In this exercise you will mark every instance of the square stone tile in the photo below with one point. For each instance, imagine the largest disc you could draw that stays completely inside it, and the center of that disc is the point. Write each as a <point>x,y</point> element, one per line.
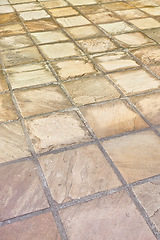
<point>41,100</point>
<point>97,218</point>
<point>143,3</point>
<point>49,37</point>
<point>7,109</point>
<point>20,56</point>
<point>77,173</point>
<point>135,155</point>
<point>21,190</point>
<point>103,17</point>
<point>3,83</point>
<point>24,76</point>
<point>100,44</point>
<point>41,25</point>
<point>154,11</point>
<point>56,130</point>
<point>11,29</point>
<point>145,23</point>
<point>73,68</point>
<point>6,9</point>
<point>54,4</point>
<point>149,196</point>
<point>135,81</point>
<point>156,70</point>
<point>13,42</point>
<point>112,118</point>
<point>4,2</point>
<point>13,144</point>
<point>92,9</point>
<point>34,15</point>
<point>60,50</point>
<point>116,28</point>
<point>60,12</point>
<point>117,6</point>
<point>73,21</point>
<point>39,227</point>
<point>133,39</point>
<point>153,33</point>
<point>27,7</point>
<point>20,1</point>
<point>149,106</point>
<point>130,14</point>
<point>8,18</point>
<point>84,32</point>
<point>91,90</point>
<point>82,2</point>
<point>114,61</point>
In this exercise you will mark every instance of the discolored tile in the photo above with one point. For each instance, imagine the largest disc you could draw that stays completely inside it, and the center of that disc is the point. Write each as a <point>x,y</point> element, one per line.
<point>3,83</point>
<point>82,2</point>
<point>112,118</point>
<point>13,42</point>
<point>21,190</point>
<point>38,227</point>
<point>73,21</point>
<point>114,61</point>
<point>8,18</point>
<point>60,12</point>
<point>153,33</point>
<point>5,9</point>
<point>41,100</point>
<point>41,25</point>
<point>117,6</point>
<point>7,109</point>
<point>54,4</point>
<point>77,173</point>
<point>13,144</point>
<point>102,17</point>
<point>135,155</point>
<point>116,28</point>
<point>11,29</point>
<point>56,130</point>
<point>94,45</point>
<point>27,7</point>
<point>91,90</point>
<point>149,196</point>
<point>97,218</point>
<point>20,56</point>
<point>32,15</point>
<point>135,81</point>
<point>84,32</point>
<point>73,68</point>
<point>24,76</point>
<point>145,23</point>
<point>130,14</point>
<point>154,11</point>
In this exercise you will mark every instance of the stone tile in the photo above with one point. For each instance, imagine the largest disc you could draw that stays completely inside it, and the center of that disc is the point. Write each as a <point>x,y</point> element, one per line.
<point>3,83</point>
<point>27,6</point>
<point>84,32</point>
<point>60,50</point>
<point>12,142</point>
<point>54,4</point>
<point>39,227</point>
<point>143,3</point>
<point>149,106</point>
<point>24,76</point>
<point>131,14</point>
<point>154,11</point>
<point>41,25</point>
<point>113,61</point>
<point>6,9</point>
<point>148,55</point>
<point>77,173</point>
<point>97,218</point>
<point>153,33</point>
<point>11,29</point>
<point>135,155</point>
<point>82,2</point>
<point>73,21</point>
<point>60,12</point>
<point>41,100</point>
<point>94,45</point>
<point>7,109</point>
<point>149,196</point>
<point>32,15</point>
<point>117,6</point>
<point>8,18</point>
<point>49,37</point>
<point>112,118</point>
<point>20,56</point>
<point>4,2</point>
<point>133,39</point>
<point>56,130</point>
<point>21,190</point>
<point>135,81</point>
<point>13,42</point>
<point>156,70</point>
<point>145,23</point>
<point>73,68</point>
<point>91,90</point>
<point>103,17</point>
<point>20,1</point>
<point>116,28</point>
<point>92,9</point>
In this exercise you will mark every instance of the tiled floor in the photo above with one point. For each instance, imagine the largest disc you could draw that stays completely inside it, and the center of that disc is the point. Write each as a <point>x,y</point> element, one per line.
<point>79,120</point>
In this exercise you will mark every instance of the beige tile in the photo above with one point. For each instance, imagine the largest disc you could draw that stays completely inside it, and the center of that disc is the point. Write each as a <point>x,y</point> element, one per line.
<point>27,6</point>
<point>60,12</point>
<point>154,11</point>
<point>149,196</point>
<point>60,50</point>
<point>38,227</point>
<point>20,1</point>
<point>56,130</point>
<point>145,23</point>
<point>41,25</point>
<point>73,21</point>
<point>154,34</point>
<point>135,81</point>
<point>112,118</point>
<point>7,109</point>
<point>135,155</point>
<point>77,173</point>
<point>32,15</point>
<point>20,56</point>
<point>14,42</point>
<point>114,61</point>
<point>54,4</point>
<point>13,144</point>
<point>24,76</point>
<point>131,14</point>
<point>94,45</point>
<point>91,90</point>
<point>3,83</point>
<point>103,17</point>
<point>143,3</point>
<point>156,70</point>
<point>116,28</point>
<point>21,190</point>
<point>8,18</point>
<point>11,29</point>
<point>97,218</point>
<point>92,9</point>
<point>84,32</point>
<point>73,68</point>
<point>6,9</point>
<point>82,2</point>
<point>41,100</point>
<point>117,6</point>
<point>4,2</point>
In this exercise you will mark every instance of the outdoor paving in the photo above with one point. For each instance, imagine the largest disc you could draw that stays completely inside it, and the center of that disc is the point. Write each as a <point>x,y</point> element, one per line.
<point>79,120</point>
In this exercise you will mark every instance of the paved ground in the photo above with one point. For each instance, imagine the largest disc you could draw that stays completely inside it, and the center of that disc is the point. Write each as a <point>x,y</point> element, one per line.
<point>79,120</point>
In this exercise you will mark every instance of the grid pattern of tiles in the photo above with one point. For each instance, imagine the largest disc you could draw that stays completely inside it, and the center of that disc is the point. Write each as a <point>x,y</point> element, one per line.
<point>79,119</point>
